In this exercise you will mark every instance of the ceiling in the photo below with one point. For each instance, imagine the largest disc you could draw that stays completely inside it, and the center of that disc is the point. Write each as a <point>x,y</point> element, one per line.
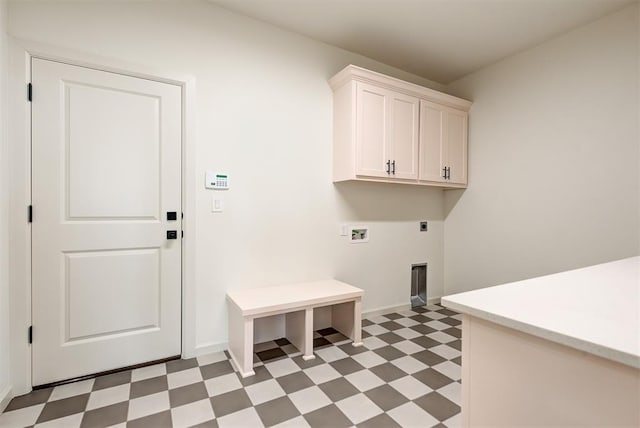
<point>440,40</point>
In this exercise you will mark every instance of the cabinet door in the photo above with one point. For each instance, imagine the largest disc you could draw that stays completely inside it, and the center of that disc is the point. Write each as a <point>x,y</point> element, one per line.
<point>403,128</point>
<point>432,161</point>
<point>456,143</point>
<point>372,136</point>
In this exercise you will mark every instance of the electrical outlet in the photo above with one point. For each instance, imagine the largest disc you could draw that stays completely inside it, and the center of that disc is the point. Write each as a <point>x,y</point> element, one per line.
<point>423,226</point>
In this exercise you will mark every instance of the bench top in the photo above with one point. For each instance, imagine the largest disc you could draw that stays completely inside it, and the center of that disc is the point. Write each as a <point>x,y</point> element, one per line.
<point>283,298</point>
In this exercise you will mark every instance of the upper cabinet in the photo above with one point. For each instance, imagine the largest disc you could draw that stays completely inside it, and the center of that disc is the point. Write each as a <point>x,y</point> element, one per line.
<point>387,126</point>
<point>389,130</point>
<point>443,145</point>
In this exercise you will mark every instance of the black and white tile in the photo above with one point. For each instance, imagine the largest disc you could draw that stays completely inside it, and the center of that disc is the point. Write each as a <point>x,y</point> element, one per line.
<point>407,374</point>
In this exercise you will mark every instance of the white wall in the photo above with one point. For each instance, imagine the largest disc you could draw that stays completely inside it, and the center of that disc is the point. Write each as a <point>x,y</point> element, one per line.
<point>264,116</point>
<point>553,159</point>
<point>4,212</point>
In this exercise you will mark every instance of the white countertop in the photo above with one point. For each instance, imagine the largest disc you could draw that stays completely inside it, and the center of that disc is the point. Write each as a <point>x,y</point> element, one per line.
<point>594,309</point>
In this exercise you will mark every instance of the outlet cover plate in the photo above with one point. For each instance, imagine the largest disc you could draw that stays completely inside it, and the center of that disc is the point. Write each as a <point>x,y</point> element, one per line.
<point>358,234</point>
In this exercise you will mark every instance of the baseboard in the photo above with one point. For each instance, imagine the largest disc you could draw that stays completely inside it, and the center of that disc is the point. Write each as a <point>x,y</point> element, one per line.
<point>434,301</point>
<point>396,308</point>
<point>208,348</point>
<point>5,397</point>
<point>385,310</point>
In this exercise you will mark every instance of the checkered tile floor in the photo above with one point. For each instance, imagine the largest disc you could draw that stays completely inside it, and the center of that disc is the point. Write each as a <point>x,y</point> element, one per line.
<point>407,374</point>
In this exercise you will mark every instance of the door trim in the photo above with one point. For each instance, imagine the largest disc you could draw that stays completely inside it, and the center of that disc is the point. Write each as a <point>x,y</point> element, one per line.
<point>21,52</point>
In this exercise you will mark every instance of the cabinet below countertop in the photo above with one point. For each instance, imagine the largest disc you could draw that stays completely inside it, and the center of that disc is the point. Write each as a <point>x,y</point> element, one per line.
<point>562,349</point>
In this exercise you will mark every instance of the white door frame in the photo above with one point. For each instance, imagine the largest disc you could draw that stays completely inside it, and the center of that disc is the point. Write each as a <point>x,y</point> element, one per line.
<point>20,315</point>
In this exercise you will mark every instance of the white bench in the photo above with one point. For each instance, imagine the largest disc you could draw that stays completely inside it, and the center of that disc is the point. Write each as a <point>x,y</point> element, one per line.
<point>297,302</point>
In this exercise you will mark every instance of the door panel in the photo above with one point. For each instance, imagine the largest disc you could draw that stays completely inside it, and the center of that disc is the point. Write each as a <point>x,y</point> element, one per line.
<point>98,281</point>
<point>431,142</point>
<point>457,146</point>
<point>372,139</point>
<point>98,133</point>
<point>404,130</point>
<point>106,156</point>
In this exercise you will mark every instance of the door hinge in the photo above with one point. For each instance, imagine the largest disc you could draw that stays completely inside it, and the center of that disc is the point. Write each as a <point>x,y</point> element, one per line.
<point>182,233</point>
<point>30,334</point>
<point>30,214</point>
<point>29,91</point>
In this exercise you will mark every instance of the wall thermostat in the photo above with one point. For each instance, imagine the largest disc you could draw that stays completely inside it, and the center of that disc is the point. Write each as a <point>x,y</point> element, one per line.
<point>216,180</point>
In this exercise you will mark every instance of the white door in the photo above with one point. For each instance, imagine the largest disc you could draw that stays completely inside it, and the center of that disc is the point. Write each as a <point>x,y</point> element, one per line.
<point>404,127</point>
<point>432,141</point>
<point>373,146</point>
<point>456,130</point>
<point>106,170</point>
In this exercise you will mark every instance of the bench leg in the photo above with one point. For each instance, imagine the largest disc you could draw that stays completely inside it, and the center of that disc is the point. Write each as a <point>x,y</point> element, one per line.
<point>308,330</point>
<point>357,323</point>
<point>299,326</point>
<point>241,341</point>
<point>347,319</point>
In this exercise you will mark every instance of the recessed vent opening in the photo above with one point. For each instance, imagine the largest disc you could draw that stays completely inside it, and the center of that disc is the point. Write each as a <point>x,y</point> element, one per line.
<point>418,285</point>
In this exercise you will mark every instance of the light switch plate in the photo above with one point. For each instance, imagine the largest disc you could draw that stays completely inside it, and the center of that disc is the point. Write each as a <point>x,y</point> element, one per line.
<point>216,205</point>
